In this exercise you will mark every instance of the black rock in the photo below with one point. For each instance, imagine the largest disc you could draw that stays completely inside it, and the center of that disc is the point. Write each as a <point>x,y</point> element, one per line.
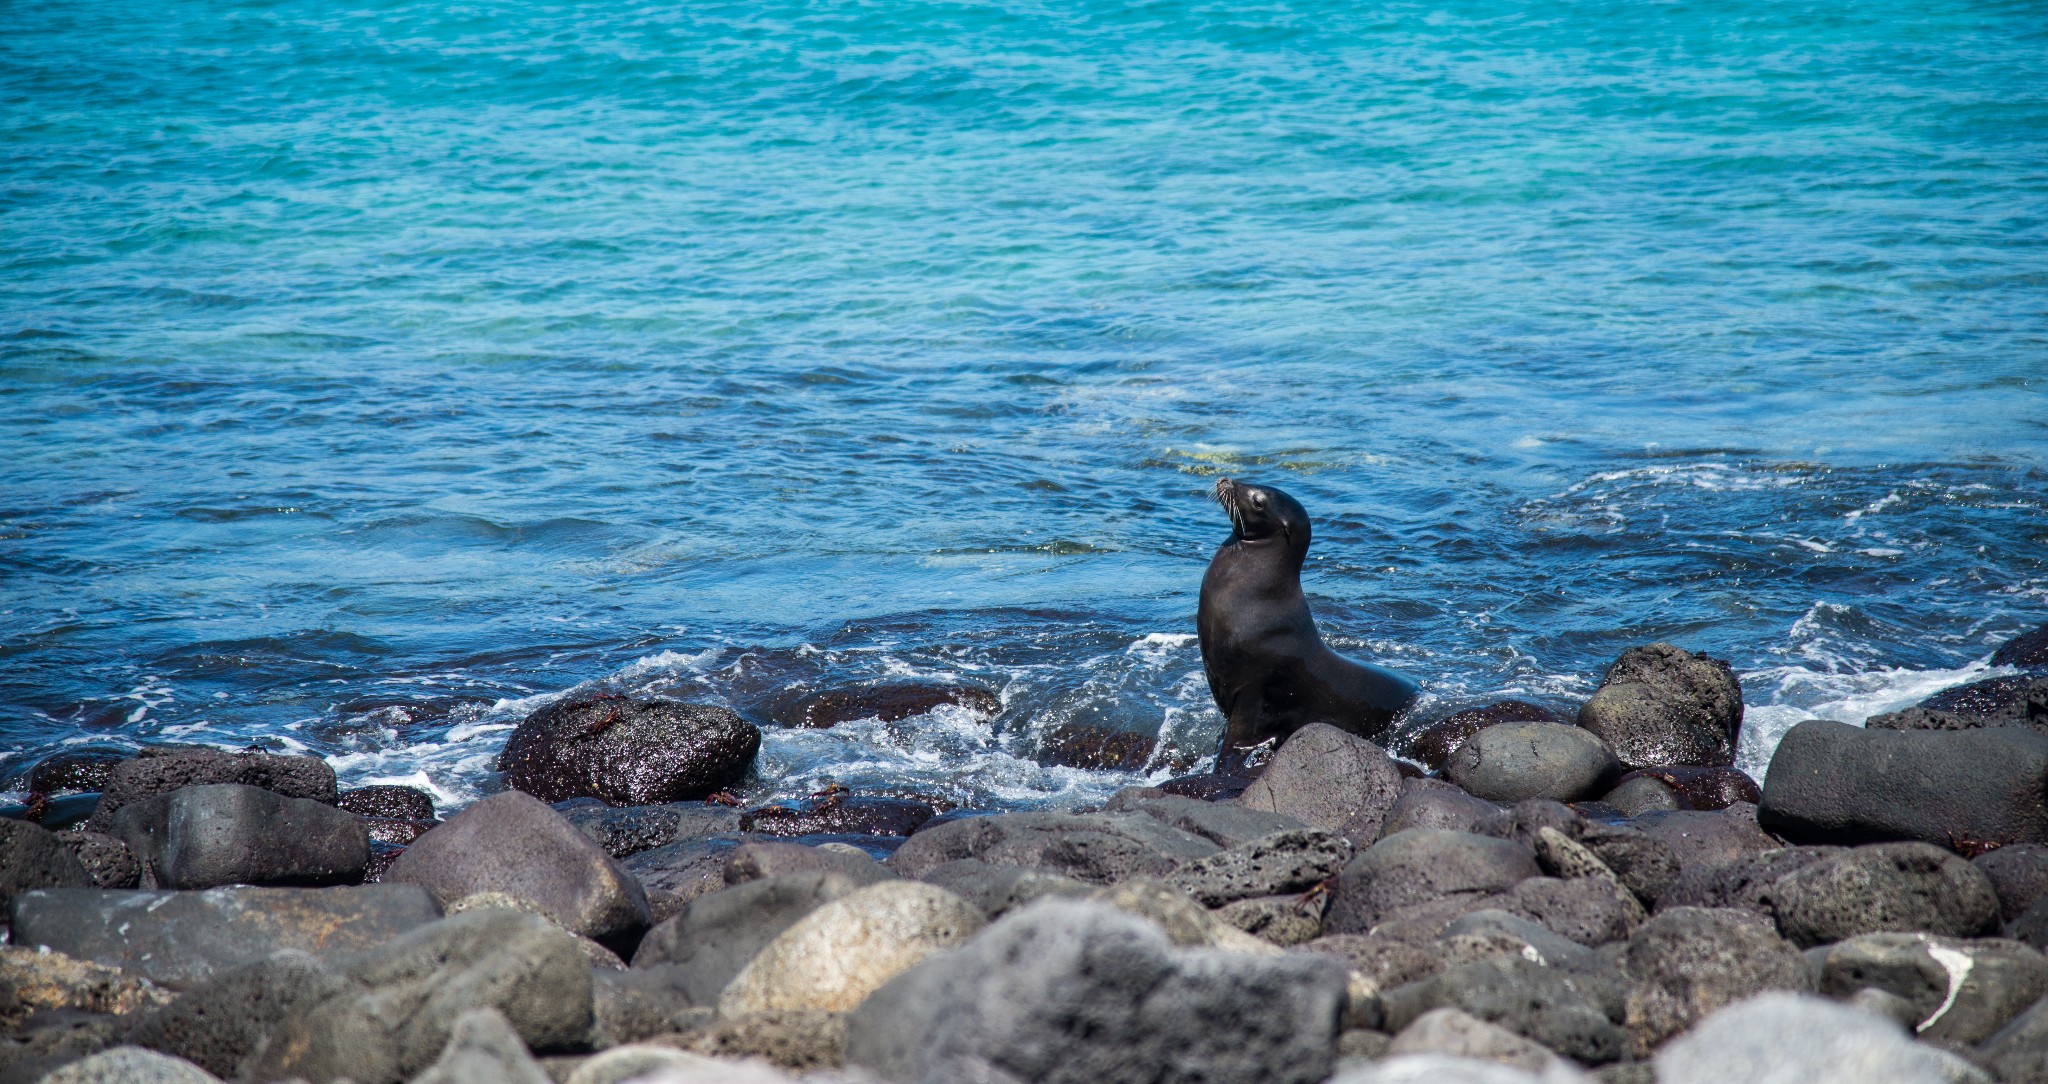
<point>839,815</point>
<point>1687,962</point>
<point>220,1022</point>
<point>1328,778</point>
<point>2019,874</point>
<point>2027,651</point>
<point>626,830</point>
<point>1575,1015</point>
<point>755,861</point>
<point>682,871</point>
<point>1099,848</point>
<point>1661,704</point>
<point>1421,866</point>
<point>177,939</point>
<point>157,772</point>
<point>107,860</point>
<point>1222,823</point>
<point>32,858</point>
<point>888,702</point>
<point>78,771</point>
<point>228,833</point>
<point>629,752</point>
<point>1884,887</point>
<point>1591,911</point>
<point>1433,745</point>
<point>1509,762</point>
<point>1835,783</point>
<point>513,844</point>
<point>1707,788</point>
<point>1067,992</point>
<point>1099,748</point>
<point>394,833</point>
<point>1434,803</point>
<point>2021,700</point>
<point>1284,862</point>
<point>716,935</point>
<point>392,803</point>
<point>1209,787</point>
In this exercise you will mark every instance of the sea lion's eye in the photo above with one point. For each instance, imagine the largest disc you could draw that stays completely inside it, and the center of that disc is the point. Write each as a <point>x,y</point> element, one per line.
<point>1258,500</point>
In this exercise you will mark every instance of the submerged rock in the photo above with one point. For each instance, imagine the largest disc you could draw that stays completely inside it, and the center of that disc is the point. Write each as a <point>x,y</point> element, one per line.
<point>629,752</point>
<point>888,703</point>
<point>1074,745</point>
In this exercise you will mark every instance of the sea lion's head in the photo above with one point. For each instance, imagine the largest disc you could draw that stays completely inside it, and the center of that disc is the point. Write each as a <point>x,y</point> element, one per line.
<point>1262,514</point>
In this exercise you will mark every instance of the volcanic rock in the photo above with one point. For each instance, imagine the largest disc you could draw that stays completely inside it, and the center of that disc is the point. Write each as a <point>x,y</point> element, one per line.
<point>230,833</point>
<point>1661,704</point>
<point>715,936</point>
<point>629,752</point>
<point>1960,992</point>
<point>1098,848</point>
<point>1327,778</point>
<point>155,772</point>
<point>1433,745</point>
<point>1793,1037</point>
<point>1512,761</point>
<point>388,802</point>
<point>1420,866</point>
<point>1835,783</point>
<point>834,957</point>
<point>32,858</point>
<point>1687,962</point>
<point>1884,887</point>
<point>888,702</point>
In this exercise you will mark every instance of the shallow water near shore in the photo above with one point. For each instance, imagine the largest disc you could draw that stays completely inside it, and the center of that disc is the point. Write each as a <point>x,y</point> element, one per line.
<point>369,377</point>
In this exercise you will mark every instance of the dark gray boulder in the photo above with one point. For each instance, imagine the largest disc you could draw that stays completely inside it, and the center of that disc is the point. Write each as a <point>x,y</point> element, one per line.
<point>624,830</point>
<point>1491,932</point>
<point>1575,1015</point>
<point>231,833</point>
<point>1290,861</point>
<point>1098,848</point>
<point>1514,761</point>
<point>105,859</point>
<point>716,935</point>
<point>1960,992</point>
<point>155,772</point>
<point>1661,704</point>
<point>1225,824</point>
<point>1745,882</point>
<point>1831,782</point>
<point>674,875</point>
<point>32,858</point>
<point>1386,963</point>
<point>640,1004</point>
<point>1433,745</point>
<point>83,770</point>
<point>1421,866</point>
<point>629,752</point>
<point>220,1023</point>
<point>1687,962</point>
<point>1434,803</point>
<point>856,815</point>
<point>1884,887</point>
<point>178,939</point>
<point>2027,651</point>
<point>404,999</point>
<point>511,843</point>
<point>2018,1052</point>
<point>1644,864</point>
<point>1698,837</point>
<point>1592,911</point>
<point>1067,992</point>
<point>1641,793</point>
<point>1327,778</point>
<point>998,890</point>
<point>2020,700</point>
<point>387,803</point>
<point>52,1039</point>
<point>2019,874</point>
<point>754,861</point>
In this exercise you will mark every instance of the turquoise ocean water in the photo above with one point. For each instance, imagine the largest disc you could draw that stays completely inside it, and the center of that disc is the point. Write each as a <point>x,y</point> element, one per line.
<point>370,373</point>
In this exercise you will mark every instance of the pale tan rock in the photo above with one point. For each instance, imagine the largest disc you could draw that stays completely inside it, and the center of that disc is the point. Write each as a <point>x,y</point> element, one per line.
<point>1187,923</point>
<point>833,958</point>
<point>35,980</point>
<point>1460,1034</point>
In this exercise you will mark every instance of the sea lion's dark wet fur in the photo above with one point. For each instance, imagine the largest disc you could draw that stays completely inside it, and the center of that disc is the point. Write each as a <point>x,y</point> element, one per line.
<point>1267,666</point>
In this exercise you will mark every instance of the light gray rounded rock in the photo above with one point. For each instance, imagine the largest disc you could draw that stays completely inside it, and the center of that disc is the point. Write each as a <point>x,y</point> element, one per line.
<point>129,1065</point>
<point>717,935</point>
<point>483,1049</point>
<point>1514,761</point>
<point>1783,1038</point>
<point>1328,778</point>
<point>833,958</point>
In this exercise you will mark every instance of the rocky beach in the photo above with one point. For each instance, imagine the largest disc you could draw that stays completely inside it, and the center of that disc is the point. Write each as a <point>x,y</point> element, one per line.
<point>1509,895</point>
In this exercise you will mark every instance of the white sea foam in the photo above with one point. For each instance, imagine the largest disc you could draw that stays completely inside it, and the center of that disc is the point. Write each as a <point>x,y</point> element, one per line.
<point>1783,696</point>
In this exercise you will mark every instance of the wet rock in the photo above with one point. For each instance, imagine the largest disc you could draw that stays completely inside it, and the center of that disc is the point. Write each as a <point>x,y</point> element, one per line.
<point>2019,874</point>
<point>1792,1037</point>
<point>1661,704</point>
<point>1567,1013</point>
<point>387,803</point>
<point>640,1004</point>
<point>219,1023</point>
<point>1221,823</point>
<point>1290,861</point>
<point>624,831</point>
<point>512,843</point>
<point>1744,882</point>
<point>1098,848</point>
<point>888,703</point>
<point>800,1040</point>
<point>834,957</point>
<point>717,935</point>
<point>629,752</point>
<point>1923,719</point>
<point>391,833</point>
<point>1326,778</point>
<point>1688,962</point>
<point>1209,786</point>
<point>230,833</point>
<point>74,772</point>
<point>1884,887</point>
<point>1074,745</point>
<point>1433,745</point>
<point>1835,783</point>
<point>1703,788</point>
<point>32,858</point>
<point>1075,993</point>
<point>1644,864</point>
<point>1460,1034</point>
<point>753,861</point>
<point>180,938</point>
<point>847,815</point>
<point>998,890</point>
<point>1385,963</point>
<point>483,1049</point>
<point>129,1065</point>
<point>1279,920</point>
<point>2007,701</point>
<point>34,982</point>
<point>1512,761</point>
<point>407,996</point>
<point>161,772</point>
<point>2027,651</point>
<point>1434,803</point>
<point>1420,866</point>
<point>682,871</point>
<point>1697,837</point>
<point>1639,793</point>
<point>1960,992</point>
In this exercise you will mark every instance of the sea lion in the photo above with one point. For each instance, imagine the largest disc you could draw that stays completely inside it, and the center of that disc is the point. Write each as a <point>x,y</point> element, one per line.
<point>1266,663</point>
